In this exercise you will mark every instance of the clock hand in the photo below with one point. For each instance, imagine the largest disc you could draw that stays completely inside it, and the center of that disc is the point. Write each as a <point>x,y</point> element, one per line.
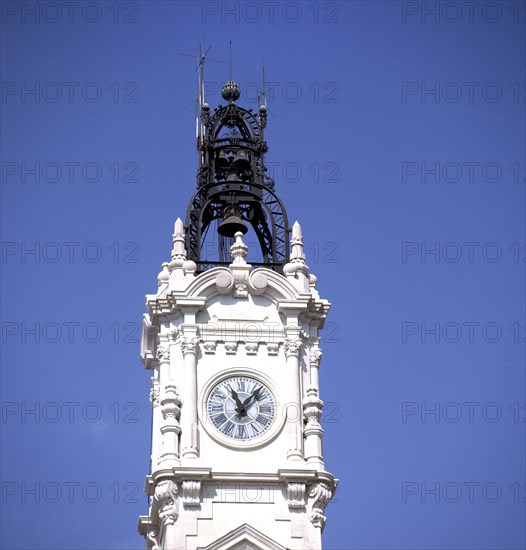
<point>236,398</point>
<point>254,395</point>
<point>240,408</point>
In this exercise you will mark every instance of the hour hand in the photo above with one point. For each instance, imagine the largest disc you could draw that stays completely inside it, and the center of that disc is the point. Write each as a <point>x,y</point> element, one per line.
<point>239,405</point>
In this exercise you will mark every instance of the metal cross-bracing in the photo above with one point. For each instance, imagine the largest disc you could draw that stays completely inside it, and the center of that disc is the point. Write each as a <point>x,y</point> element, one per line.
<point>257,204</point>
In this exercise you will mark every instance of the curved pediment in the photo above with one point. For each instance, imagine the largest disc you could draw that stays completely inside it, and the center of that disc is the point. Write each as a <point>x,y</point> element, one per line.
<point>241,282</point>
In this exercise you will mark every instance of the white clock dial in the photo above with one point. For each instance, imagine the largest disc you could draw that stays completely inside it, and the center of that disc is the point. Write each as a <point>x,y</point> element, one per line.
<point>241,407</point>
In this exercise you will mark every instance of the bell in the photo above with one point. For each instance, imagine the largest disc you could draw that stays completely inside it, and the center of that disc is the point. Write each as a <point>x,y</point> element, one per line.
<point>232,223</point>
<point>232,178</point>
<point>242,163</point>
<point>221,161</point>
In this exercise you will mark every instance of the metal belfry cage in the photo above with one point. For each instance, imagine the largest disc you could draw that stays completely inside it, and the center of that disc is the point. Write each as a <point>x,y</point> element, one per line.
<point>233,188</point>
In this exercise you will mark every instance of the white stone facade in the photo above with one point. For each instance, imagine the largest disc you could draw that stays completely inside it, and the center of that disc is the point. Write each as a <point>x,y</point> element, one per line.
<point>207,490</point>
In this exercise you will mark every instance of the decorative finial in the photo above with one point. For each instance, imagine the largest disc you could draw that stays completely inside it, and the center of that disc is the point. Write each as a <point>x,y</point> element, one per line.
<point>297,244</point>
<point>296,270</point>
<point>239,249</point>
<point>178,228</point>
<point>231,91</point>
<point>179,250</point>
<point>296,230</point>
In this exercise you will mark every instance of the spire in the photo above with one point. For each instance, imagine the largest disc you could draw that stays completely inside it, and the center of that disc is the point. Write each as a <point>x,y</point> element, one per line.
<point>179,250</point>
<point>296,270</point>
<point>297,254</point>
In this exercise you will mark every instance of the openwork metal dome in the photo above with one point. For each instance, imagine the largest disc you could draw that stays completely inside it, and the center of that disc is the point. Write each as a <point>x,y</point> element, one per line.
<point>233,188</point>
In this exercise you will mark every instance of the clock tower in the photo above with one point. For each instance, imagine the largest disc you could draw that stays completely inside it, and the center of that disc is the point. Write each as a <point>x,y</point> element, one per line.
<point>233,347</point>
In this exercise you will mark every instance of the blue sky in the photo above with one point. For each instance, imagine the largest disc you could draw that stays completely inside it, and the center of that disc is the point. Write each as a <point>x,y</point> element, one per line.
<point>397,137</point>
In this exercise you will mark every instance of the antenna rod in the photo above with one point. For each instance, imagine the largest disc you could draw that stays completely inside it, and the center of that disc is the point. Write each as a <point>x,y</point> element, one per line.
<point>264,91</point>
<point>200,99</point>
<point>201,67</point>
<point>202,74</point>
<point>230,43</point>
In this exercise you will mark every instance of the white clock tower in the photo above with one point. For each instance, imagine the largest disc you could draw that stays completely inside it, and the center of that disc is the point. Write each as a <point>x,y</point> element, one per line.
<point>236,451</point>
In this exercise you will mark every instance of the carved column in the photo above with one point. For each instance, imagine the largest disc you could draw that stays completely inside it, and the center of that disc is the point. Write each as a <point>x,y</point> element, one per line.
<point>163,356</point>
<point>315,359</point>
<point>313,431</point>
<point>170,429</point>
<point>293,404</point>
<point>190,446</point>
<point>312,411</point>
<point>156,417</point>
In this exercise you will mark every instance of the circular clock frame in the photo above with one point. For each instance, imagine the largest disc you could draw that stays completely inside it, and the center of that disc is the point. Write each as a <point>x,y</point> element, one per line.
<point>257,441</point>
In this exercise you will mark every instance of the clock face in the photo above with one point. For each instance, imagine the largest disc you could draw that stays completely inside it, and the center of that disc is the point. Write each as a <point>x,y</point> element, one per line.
<point>241,407</point>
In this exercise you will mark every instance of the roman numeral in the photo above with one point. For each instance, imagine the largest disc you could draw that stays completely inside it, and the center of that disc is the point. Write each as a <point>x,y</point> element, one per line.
<point>264,395</point>
<point>219,419</point>
<point>215,408</point>
<point>218,396</point>
<point>228,428</point>
<point>242,431</point>
<point>263,420</point>
<point>255,429</point>
<point>266,408</point>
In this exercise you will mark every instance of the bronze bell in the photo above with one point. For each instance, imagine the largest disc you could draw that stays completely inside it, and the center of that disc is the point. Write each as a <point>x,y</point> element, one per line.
<point>242,162</point>
<point>232,223</point>
<point>221,160</point>
<point>232,178</point>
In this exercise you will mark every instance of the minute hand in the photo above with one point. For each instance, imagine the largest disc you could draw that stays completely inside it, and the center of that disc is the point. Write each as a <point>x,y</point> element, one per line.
<point>254,396</point>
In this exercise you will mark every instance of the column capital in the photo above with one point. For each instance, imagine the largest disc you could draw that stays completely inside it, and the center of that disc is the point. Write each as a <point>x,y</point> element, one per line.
<point>292,347</point>
<point>163,354</point>
<point>189,345</point>
<point>315,357</point>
